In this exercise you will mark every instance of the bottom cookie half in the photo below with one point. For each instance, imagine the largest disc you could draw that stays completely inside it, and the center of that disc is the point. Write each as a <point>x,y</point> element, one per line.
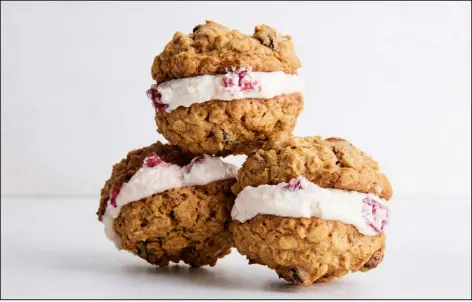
<point>188,224</point>
<point>229,127</point>
<point>307,250</point>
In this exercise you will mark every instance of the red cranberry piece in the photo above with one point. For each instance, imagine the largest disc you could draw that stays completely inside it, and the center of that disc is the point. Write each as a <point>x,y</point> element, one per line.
<point>247,84</point>
<point>155,96</point>
<point>375,214</point>
<point>242,82</point>
<point>113,195</point>
<point>241,75</point>
<point>294,185</point>
<point>152,160</point>
<point>158,106</point>
<point>228,81</point>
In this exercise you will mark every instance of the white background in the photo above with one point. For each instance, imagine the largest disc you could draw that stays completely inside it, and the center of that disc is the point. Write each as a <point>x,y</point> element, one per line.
<point>392,77</point>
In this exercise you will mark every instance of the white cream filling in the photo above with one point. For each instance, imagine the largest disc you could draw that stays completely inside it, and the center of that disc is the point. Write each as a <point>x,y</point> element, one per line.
<point>235,84</point>
<point>165,176</point>
<point>302,198</point>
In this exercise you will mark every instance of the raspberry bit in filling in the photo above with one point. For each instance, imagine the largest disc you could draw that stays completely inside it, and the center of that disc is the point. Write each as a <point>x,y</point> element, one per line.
<point>113,195</point>
<point>240,80</point>
<point>155,96</point>
<point>294,185</point>
<point>152,160</point>
<point>375,214</point>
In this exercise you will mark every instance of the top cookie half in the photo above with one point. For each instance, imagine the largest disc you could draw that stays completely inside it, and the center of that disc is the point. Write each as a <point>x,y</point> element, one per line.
<point>212,48</point>
<point>329,163</point>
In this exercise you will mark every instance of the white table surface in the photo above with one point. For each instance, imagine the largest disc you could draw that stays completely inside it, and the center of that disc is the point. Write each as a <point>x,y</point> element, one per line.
<point>55,248</point>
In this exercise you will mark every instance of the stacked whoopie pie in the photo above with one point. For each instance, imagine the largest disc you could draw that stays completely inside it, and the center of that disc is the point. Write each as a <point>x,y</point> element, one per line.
<point>309,208</point>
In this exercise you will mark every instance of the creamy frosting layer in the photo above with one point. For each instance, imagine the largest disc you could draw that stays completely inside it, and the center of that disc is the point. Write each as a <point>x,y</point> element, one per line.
<point>235,84</point>
<point>156,176</point>
<point>302,198</point>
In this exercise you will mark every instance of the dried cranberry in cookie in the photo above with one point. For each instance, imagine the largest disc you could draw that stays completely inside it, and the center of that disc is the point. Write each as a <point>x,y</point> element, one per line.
<point>221,92</point>
<point>311,209</point>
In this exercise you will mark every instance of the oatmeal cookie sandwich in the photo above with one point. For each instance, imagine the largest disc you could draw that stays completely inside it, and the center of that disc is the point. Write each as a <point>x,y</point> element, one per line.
<point>163,205</point>
<point>222,92</point>
<point>311,209</point>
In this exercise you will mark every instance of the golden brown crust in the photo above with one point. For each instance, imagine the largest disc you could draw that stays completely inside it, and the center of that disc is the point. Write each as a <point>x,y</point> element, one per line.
<point>127,167</point>
<point>330,163</point>
<point>229,127</point>
<point>307,250</point>
<point>189,224</point>
<point>212,48</point>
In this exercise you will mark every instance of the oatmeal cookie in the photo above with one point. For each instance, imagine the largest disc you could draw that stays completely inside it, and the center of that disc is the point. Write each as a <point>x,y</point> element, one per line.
<point>181,218</point>
<point>311,209</point>
<point>222,92</point>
